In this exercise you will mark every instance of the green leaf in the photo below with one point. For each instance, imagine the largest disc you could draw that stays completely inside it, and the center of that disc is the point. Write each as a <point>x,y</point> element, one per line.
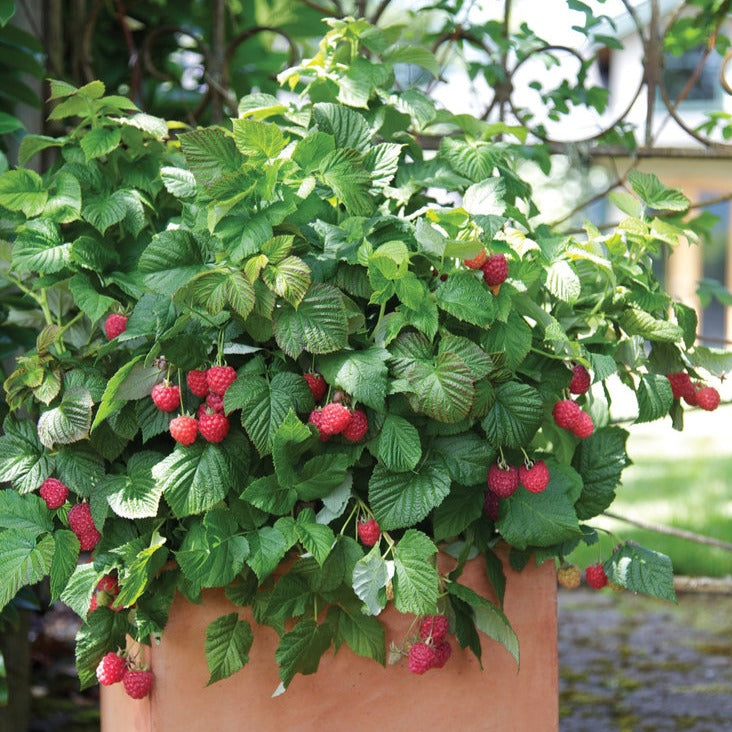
<point>65,556</point>
<point>27,513</point>
<point>466,298</point>
<point>258,140</point>
<point>347,126</point>
<point>137,494</point>
<point>316,538</point>
<point>22,457</point>
<point>443,388</point>
<point>515,415</point>
<point>642,570</point>
<point>100,141</point>
<point>193,479</point>
<point>228,640</point>
<point>268,495</point>
<point>80,467</point>
<point>320,475</point>
<point>562,281</point>
<point>656,195</point>
<point>70,421</point>
<point>638,322</point>
<point>538,519</point>
<point>210,153</point>
<point>111,401</point>
<point>104,630</point>
<point>31,145</point>
<point>103,211</point>
<point>485,198</point>
<point>655,397</point>
<point>403,499</point>
<point>463,506</point>
<point>488,618</point>
<point>398,446</point>
<point>23,190</point>
<point>417,55</point>
<point>38,248</point>
<point>363,634</point>
<point>142,565</point>
<point>179,182</point>
<point>466,457</point>
<point>382,162</point>
<point>64,204</point>
<point>266,548</point>
<point>600,460</point>
<point>318,325</point>
<point>78,591</point>
<point>301,649</point>
<point>343,171</point>
<point>362,374</point>
<point>370,577</point>
<point>92,303</point>
<point>289,278</point>
<point>416,582</point>
<point>511,339</point>
<point>24,560</point>
<point>688,321</point>
<point>171,259</point>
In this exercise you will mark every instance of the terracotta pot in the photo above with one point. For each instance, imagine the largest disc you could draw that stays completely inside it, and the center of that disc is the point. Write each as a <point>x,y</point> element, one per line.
<point>352,693</point>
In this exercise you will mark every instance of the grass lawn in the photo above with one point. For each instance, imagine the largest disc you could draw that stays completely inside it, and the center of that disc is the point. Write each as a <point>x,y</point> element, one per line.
<point>677,479</point>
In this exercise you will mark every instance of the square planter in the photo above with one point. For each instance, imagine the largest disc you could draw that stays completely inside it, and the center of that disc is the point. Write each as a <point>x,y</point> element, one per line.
<point>353,693</point>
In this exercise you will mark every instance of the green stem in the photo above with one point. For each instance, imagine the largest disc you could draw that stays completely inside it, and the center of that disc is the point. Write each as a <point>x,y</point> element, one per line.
<point>43,302</point>
<point>548,355</point>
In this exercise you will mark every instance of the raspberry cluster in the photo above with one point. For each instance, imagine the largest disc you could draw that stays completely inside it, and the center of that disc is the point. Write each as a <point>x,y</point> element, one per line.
<point>433,649</point>
<point>82,524</point>
<point>694,394</point>
<point>115,667</point>
<point>335,419</point>
<point>568,415</point>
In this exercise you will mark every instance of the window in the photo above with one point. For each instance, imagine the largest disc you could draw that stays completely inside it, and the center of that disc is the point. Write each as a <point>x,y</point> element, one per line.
<point>679,69</point>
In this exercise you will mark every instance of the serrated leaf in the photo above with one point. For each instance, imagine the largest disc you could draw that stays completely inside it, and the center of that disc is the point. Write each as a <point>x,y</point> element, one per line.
<point>268,495</point>
<point>266,548</point>
<point>318,325</point>
<point>78,591</point>
<point>100,141</point>
<point>511,339</point>
<point>24,560</point>
<point>22,457</point>
<point>600,460</point>
<point>343,171</point>
<point>64,203</point>
<point>103,630</point>
<point>103,211</point>
<point>289,278</point>
<point>80,467</point>
<point>466,457</point>
<point>27,513</point>
<point>111,401</point>
<point>638,322</point>
<point>228,640</point>
<point>363,634</point>
<point>370,577</point>
<point>137,494</point>
<point>642,570</point>
<point>142,565</point>
<point>347,126</point>
<point>655,194</point>
<point>65,556</point>
<point>463,506</point>
<point>320,475</point>
<point>23,190</point>
<point>485,198</point>
<point>443,388</point>
<point>316,538</point>
<point>655,397</point>
<point>210,154</point>
<point>179,182</point>
<point>466,298</point>
<point>515,415</point>
<point>92,303</point>
<point>381,162</point>
<point>416,581</point>
<point>301,649</point>
<point>70,421</point>
<point>258,140</point>
<point>563,282</point>
<point>362,374</point>
<point>171,259</point>
<point>403,499</point>
<point>38,247</point>
<point>398,446</point>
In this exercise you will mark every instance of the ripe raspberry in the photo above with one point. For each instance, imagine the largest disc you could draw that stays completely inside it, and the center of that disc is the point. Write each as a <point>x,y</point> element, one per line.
<point>443,651</point>
<point>536,478</point>
<point>495,270</point>
<point>166,396</point>
<point>317,385</point>
<point>580,380</point>
<point>569,576</point>
<point>680,384</point>
<point>54,493</point>
<point>111,669</point>
<point>114,325</point>
<point>109,585</point>
<point>421,658</point>
<point>213,427</point>
<point>334,418</point>
<point>565,413</point>
<point>708,398</point>
<point>690,396</point>
<point>369,532</point>
<point>80,519</point>
<point>198,383</point>
<point>89,540</point>
<point>215,402</point>
<point>138,683</point>
<point>477,261</point>
<point>93,604</point>
<point>584,426</point>
<point>595,576</point>
<point>434,628</point>
<point>183,429</point>
<point>357,427</point>
<point>490,505</point>
<point>503,482</point>
<point>220,378</point>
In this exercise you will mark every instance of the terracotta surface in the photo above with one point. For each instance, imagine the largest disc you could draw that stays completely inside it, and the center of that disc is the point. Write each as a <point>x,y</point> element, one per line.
<point>351,693</point>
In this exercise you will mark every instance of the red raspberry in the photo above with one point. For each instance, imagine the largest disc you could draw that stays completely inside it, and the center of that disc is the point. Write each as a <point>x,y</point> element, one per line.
<point>584,426</point>
<point>443,651</point>
<point>536,478</point>
<point>595,576</point>
<point>215,403</point>
<point>690,395</point>
<point>495,270</point>
<point>183,429</point>
<point>93,604</point>
<point>369,532</point>
<point>503,482</point>
<point>213,427</point>
<point>89,540</point>
<point>708,398</point>
<point>334,418</point>
<point>166,396</point>
<point>569,576</point>
<point>477,261</point>
<point>114,325</point>
<point>111,669</point>
<point>198,383</point>
<point>108,584</point>
<point>220,378</point>
<point>54,493</point>
<point>434,628</point>
<point>490,505</point>
<point>421,658</point>
<point>680,384</point>
<point>357,427</point>
<point>580,380</point>
<point>138,683</point>
<point>317,385</point>
<point>566,413</point>
<point>80,519</point>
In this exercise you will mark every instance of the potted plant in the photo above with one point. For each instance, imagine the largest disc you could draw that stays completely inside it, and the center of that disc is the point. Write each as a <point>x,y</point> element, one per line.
<point>304,361</point>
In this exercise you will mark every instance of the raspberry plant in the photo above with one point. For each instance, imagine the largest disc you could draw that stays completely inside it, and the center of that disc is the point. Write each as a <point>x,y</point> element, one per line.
<point>300,239</point>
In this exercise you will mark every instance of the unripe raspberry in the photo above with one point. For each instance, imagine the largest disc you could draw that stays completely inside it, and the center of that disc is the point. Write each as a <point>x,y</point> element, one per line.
<point>569,576</point>
<point>580,383</point>
<point>477,261</point>
<point>503,482</point>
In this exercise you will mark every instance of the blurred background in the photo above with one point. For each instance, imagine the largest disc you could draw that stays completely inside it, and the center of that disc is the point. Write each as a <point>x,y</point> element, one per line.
<point>604,88</point>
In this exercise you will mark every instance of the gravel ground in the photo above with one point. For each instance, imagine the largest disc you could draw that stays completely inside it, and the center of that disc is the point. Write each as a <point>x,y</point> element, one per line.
<point>634,664</point>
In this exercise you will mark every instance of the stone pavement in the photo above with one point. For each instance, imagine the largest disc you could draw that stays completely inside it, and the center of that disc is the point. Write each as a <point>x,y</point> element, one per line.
<point>635,664</point>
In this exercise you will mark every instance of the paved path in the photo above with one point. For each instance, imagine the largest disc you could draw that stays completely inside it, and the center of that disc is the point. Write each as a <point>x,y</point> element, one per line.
<point>634,664</point>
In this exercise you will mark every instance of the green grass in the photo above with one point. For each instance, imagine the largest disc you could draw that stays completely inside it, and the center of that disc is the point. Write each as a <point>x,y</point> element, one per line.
<point>680,481</point>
